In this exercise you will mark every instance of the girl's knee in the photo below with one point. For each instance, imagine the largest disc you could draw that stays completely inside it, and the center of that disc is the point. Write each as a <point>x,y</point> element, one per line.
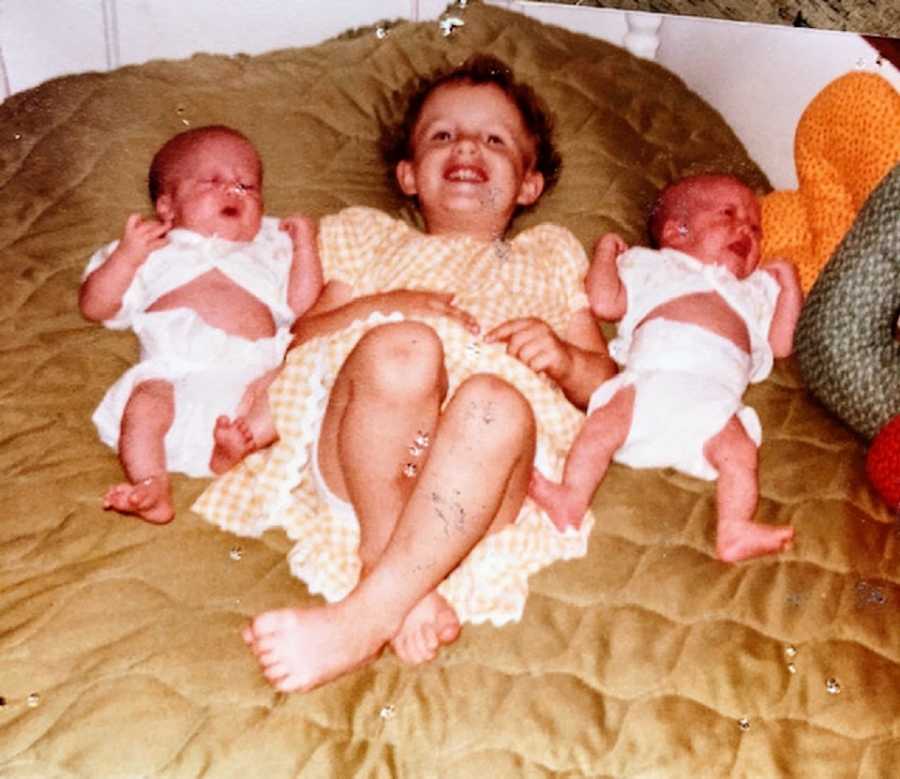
<point>402,358</point>
<point>497,407</point>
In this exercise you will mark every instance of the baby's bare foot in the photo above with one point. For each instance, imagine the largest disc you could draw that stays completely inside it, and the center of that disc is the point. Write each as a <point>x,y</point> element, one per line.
<point>148,499</point>
<point>431,623</point>
<point>233,442</point>
<point>557,500</point>
<point>300,649</point>
<point>741,541</point>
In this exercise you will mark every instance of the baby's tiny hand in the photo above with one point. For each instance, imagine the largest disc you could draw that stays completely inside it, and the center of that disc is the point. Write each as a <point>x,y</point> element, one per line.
<point>609,247</point>
<point>143,236</point>
<point>784,272</point>
<point>302,229</point>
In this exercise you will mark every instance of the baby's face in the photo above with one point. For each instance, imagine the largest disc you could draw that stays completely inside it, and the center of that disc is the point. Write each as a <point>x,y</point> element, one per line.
<point>216,190</point>
<point>722,226</point>
<point>472,158</point>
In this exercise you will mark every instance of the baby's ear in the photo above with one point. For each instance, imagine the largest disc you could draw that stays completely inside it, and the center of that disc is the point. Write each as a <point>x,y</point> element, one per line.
<point>164,207</point>
<point>406,177</point>
<point>531,189</point>
<point>672,233</point>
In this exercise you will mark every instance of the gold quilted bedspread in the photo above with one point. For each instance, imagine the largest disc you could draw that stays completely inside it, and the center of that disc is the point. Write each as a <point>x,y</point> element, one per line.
<point>120,653</point>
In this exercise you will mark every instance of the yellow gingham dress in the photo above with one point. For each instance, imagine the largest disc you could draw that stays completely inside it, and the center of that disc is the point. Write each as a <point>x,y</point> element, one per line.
<point>539,273</point>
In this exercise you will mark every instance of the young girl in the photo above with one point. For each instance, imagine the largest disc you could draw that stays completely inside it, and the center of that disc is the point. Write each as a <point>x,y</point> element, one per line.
<point>413,432</point>
<point>211,288</point>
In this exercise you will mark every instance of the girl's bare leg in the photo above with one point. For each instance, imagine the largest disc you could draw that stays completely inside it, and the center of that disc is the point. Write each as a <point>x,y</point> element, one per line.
<point>251,429</point>
<point>483,436</point>
<point>603,432</point>
<point>433,621</point>
<point>147,418</point>
<point>388,393</point>
<point>738,537</point>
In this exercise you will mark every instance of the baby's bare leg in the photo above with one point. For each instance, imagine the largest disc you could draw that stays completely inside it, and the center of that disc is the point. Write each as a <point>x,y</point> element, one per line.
<point>482,438</point>
<point>603,432</point>
<point>147,418</point>
<point>251,429</point>
<point>738,537</point>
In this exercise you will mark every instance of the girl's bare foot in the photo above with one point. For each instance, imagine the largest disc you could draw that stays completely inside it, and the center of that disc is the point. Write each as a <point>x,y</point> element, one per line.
<point>431,623</point>
<point>233,442</point>
<point>742,540</point>
<point>299,649</point>
<point>557,500</point>
<point>148,499</point>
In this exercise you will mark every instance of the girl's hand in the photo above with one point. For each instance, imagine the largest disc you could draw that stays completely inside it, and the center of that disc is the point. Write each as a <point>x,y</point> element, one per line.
<point>534,343</point>
<point>143,236</point>
<point>414,302</point>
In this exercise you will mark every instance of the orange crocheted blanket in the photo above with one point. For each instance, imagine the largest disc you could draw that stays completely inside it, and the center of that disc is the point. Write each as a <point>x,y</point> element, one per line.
<point>847,139</point>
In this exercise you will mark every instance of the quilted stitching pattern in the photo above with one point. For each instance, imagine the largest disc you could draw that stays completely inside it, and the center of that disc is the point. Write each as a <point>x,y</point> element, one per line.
<point>637,660</point>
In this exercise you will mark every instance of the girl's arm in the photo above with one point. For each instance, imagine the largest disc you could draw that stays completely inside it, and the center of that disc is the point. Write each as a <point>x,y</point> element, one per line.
<point>100,295</point>
<point>787,307</point>
<point>337,309</point>
<point>578,363</point>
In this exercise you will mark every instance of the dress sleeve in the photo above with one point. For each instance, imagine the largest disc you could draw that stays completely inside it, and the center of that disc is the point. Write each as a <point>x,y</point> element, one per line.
<point>349,242</point>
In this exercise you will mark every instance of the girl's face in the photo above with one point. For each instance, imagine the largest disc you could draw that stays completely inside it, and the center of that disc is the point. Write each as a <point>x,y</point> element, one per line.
<point>720,226</point>
<point>472,161</point>
<point>215,190</point>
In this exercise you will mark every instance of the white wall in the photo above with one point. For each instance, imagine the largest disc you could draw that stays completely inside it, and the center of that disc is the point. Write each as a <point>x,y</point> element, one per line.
<point>41,39</point>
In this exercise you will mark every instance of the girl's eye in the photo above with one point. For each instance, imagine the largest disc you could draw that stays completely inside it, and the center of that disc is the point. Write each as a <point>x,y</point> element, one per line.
<point>441,135</point>
<point>495,140</point>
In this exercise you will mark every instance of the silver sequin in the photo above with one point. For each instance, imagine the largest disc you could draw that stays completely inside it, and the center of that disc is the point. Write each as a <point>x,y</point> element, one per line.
<point>832,686</point>
<point>33,700</point>
<point>236,553</point>
<point>790,651</point>
<point>744,723</point>
<point>410,470</point>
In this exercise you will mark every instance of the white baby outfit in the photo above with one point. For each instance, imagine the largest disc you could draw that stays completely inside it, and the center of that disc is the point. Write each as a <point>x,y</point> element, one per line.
<point>208,368</point>
<point>688,381</point>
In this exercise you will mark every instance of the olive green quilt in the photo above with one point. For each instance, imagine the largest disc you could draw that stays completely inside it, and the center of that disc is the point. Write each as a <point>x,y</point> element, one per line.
<point>120,653</point>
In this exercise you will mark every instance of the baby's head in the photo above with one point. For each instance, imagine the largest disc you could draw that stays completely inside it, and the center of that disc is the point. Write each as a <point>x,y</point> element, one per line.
<point>713,217</point>
<point>209,180</point>
<point>473,147</point>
